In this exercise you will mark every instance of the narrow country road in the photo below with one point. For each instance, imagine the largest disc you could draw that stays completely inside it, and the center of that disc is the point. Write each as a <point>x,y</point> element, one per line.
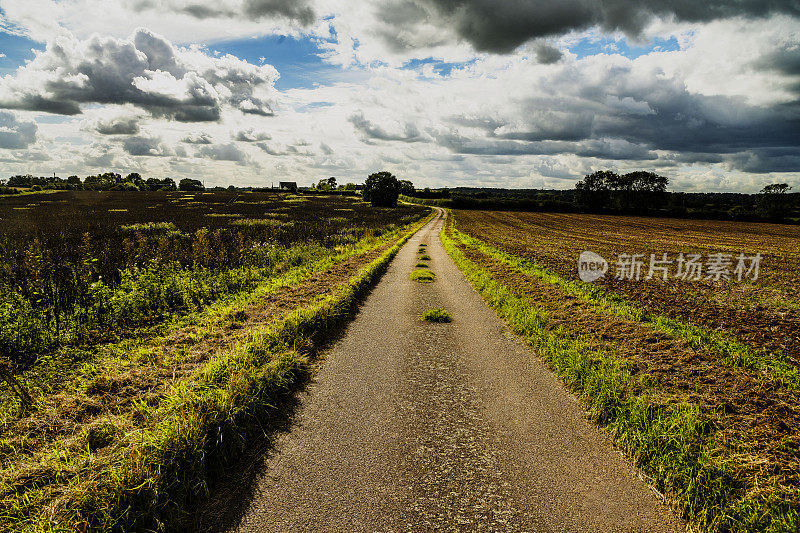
<point>411,426</point>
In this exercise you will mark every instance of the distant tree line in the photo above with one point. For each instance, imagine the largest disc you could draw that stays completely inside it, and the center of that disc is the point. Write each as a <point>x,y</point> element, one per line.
<point>107,181</point>
<point>604,191</point>
<point>638,192</point>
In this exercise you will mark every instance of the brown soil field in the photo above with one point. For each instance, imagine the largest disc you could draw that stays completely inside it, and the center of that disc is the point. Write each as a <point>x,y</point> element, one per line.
<point>753,419</point>
<point>764,314</point>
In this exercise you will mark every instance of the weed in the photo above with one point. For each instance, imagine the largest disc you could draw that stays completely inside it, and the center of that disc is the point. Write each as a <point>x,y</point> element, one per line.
<point>436,314</point>
<point>425,257</point>
<point>423,276</point>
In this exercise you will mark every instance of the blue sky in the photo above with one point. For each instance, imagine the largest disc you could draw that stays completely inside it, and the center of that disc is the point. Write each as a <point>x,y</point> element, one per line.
<point>17,50</point>
<point>296,59</point>
<point>607,45</point>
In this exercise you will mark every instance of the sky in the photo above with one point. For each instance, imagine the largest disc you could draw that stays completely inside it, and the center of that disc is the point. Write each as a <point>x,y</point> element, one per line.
<point>477,93</point>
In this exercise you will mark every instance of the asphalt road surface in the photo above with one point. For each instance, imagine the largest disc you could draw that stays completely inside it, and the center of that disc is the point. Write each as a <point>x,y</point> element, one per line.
<point>411,426</point>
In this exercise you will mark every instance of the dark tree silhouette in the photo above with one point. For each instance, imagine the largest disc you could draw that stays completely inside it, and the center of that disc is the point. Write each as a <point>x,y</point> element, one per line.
<point>773,201</point>
<point>382,189</point>
<point>188,184</point>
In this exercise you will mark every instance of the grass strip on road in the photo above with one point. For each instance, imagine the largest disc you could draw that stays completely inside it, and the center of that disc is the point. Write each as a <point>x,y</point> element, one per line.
<point>437,314</point>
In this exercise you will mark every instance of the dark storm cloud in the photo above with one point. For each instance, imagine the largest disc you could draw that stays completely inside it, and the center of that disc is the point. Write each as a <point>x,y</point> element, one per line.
<point>547,54</point>
<point>145,71</point>
<point>118,126</point>
<point>621,113</point>
<point>600,148</point>
<point>16,133</point>
<point>494,26</point>
<point>786,59</point>
<point>295,10</point>
<point>766,160</point>
<point>370,131</point>
<point>298,10</point>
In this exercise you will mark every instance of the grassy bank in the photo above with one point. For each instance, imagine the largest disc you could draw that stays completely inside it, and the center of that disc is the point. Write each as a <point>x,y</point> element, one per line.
<point>147,478</point>
<point>675,443</point>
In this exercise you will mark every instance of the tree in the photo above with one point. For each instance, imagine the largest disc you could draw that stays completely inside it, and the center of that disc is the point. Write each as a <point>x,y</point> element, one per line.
<point>381,189</point>
<point>407,188</point>
<point>634,191</point>
<point>155,184</point>
<point>773,201</point>
<point>593,191</point>
<point>102,182</point>
<point>332,183</point>
<point>136,179</point>
<point>639,190</point>
<point>75,183</point>
<point>188,184</point>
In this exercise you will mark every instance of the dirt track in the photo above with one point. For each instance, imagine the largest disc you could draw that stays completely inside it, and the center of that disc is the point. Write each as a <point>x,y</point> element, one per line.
<point>412,426</point>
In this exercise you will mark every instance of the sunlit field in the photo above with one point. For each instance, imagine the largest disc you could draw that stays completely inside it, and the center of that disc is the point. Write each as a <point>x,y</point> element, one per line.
<point>698,379</point>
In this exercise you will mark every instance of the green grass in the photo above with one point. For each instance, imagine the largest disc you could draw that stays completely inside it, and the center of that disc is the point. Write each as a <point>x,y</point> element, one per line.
<point>732,352</point>
<point>198,429</point>
<point>421,265</point>
<point>423,276</point>
<point>675,444</point>
<point>437,314</point>
<point>150,227</point>
<point>425,257</point>
<point>266,222</point>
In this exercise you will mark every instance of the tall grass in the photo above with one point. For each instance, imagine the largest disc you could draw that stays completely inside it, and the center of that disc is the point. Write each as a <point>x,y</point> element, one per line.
<point>203,424</point>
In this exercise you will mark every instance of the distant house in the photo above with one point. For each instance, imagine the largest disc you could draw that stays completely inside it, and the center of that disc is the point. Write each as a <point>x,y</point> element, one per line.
<point>288,186</point>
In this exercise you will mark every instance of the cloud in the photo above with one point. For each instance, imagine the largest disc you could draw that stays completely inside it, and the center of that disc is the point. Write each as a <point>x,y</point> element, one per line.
<point>294,10</point>
<point>16,133</point>
<point>118,126</point>
<point>300,148</point>
<point>250,135</point>
<point>146,146</point>
<point>146,71</point>
<point>370,131</point>
<point>547,54</point>
<point>100,155</point>
<point>223,152</point>
<point>500,27</point>
<point>198,138</point>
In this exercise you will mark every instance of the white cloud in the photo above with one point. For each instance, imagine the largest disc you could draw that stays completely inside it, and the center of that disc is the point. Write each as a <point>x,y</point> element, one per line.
<point>145,71</point>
